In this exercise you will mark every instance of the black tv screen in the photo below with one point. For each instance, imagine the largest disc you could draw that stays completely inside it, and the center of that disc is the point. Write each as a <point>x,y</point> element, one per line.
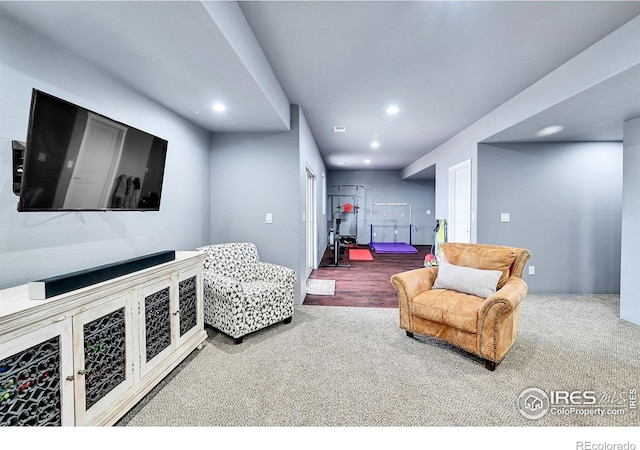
<point>78,160</point>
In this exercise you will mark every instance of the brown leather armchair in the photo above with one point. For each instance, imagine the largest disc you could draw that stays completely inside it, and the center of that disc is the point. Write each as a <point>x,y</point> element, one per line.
<point>486,327</point>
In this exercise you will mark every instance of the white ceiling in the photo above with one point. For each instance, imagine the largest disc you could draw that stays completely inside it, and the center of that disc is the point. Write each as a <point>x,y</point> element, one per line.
<point>445,64</point>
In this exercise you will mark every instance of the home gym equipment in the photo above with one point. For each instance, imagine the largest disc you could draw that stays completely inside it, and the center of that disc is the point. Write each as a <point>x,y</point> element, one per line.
<point>391,228</point>
<point>344,201</point>
<point>335,245</point>
<point>360,254</point>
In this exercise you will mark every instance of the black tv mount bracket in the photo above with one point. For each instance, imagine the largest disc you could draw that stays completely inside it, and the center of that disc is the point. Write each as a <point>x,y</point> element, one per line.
<point>17,149</point>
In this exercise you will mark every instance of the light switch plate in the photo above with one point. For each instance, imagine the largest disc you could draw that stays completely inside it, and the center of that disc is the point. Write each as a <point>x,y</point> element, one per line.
<point>505,217</point>
<point>269,218</point>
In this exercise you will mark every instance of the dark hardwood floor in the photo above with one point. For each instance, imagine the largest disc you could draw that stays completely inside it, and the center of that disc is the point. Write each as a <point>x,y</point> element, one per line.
<point>365,283</point>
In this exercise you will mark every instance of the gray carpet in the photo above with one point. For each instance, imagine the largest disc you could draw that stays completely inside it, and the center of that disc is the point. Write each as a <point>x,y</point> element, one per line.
<point>342,366</point>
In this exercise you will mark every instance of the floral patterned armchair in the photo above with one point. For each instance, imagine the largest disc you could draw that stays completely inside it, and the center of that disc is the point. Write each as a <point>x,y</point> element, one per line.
<point>243,294</point>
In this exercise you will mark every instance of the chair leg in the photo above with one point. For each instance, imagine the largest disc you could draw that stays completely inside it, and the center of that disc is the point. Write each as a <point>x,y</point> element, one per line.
<point>287,320</point>
<point>410,334</point>
<point>491,365</point>
<point>238,340</point>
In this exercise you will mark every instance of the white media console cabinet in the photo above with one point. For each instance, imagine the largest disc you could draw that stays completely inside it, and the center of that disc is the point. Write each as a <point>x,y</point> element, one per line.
<point>87,356</point>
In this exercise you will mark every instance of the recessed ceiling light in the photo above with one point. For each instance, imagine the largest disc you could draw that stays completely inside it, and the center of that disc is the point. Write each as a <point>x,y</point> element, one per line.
<point>340,163</point>
<point>548,131</point>
<point>367,161</point>
<point>339,129</point>
<point>219,107</point>
<point>393,109</point>
<point>375,144</point>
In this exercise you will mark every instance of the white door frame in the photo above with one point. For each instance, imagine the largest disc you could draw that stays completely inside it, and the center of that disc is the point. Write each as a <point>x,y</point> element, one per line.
<point>460,202</point>
<point>310,222</point>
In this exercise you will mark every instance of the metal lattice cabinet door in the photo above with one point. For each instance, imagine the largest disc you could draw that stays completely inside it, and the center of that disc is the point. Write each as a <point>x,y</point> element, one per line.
<point>34,389</point>
<point>189,309</point>
<point>156,312</point>
<point>103,357</point>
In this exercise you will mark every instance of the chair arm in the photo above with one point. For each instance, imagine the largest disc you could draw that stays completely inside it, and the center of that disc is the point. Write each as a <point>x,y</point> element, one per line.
<point>275,273</point>
<point>409,284</point>
<point>414,282</point>
<point>510,295</point>
<point>220,287</point>
<point>498,319</point>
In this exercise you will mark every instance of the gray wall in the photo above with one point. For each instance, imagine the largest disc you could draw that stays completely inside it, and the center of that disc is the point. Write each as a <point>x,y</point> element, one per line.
<point>565,202</point>
<point>38,245</point>
<point>310,159</point>
<point>216,188</point>
<point>387,187</point>
<point>609,57</point>
<point>630,281</point>
<point>253,174</point>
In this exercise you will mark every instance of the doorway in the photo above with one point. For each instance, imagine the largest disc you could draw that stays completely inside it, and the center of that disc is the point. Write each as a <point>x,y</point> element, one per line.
<point>310,223</point>
<point>460,202</point>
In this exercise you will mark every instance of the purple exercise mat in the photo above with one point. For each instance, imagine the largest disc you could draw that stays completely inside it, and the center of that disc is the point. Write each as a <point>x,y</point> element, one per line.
<point>392,247</point>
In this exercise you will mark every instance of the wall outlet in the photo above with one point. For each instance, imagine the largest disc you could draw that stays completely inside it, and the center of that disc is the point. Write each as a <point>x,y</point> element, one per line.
<point>505,217</point>
<point>532,270</point>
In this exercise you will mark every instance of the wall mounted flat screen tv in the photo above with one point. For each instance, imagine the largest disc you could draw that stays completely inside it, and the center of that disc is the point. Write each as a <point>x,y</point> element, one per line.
<point>78,160</point>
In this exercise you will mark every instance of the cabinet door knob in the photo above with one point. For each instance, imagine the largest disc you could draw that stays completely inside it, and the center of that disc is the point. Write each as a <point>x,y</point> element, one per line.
<point>82,371</point>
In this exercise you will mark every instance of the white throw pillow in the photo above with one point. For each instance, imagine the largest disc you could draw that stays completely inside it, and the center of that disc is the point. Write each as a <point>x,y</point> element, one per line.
<point>478,282</point>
